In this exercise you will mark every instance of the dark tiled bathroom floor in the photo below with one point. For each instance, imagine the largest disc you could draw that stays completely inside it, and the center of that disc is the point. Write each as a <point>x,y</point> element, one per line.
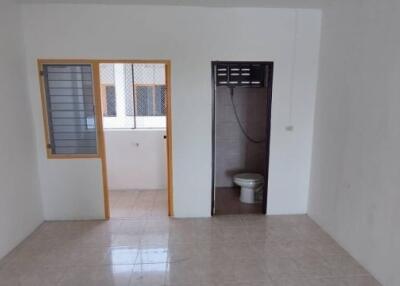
<point>227,201</point>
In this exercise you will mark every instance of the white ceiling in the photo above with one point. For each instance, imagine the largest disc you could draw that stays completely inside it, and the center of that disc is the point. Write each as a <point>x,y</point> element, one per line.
<point>199,3</point>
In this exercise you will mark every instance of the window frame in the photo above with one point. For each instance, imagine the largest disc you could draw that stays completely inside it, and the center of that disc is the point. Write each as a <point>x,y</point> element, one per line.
<point>135,106</point>
<point>96,105</point>
<point>165,97</point>
<point>104,107</point>
<point>153,94</point>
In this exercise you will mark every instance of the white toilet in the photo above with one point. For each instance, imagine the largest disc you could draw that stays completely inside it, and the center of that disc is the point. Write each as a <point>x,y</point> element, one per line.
<point>250,183</point>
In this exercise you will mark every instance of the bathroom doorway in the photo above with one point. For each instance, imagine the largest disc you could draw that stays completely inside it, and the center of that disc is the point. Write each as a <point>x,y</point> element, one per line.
<point>241,123</point>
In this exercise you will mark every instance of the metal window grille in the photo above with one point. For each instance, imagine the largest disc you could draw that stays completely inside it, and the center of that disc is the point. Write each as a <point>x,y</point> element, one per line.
<point>144,100</point>
<point>129,82</point>
<point>107,91</point>
<point>110,107</point>
<point>139,95</point>
<point>150,100</point>
<point>160,93</point>
<point>70,109</point>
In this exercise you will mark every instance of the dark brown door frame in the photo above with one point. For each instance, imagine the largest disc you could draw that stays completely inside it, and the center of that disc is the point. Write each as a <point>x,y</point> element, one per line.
<point>270,67</point>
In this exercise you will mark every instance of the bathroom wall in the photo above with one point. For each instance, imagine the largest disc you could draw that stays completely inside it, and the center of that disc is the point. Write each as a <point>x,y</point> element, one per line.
<point>20,198</point>
<point>136,159</point>
<point>234,153</point>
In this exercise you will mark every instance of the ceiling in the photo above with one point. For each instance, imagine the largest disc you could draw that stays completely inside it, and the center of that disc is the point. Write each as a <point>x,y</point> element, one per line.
<point>198,3</point>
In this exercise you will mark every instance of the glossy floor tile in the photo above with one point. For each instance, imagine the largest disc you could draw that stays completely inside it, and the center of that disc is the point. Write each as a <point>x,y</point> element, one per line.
<point>138,203</point>
<point>241,250</point>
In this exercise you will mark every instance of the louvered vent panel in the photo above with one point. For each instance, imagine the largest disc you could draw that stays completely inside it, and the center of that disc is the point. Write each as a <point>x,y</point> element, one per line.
<point>70,109</point>
<point>241,74</point>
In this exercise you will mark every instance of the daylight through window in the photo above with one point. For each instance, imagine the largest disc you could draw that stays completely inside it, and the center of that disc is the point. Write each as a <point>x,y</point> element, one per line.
<point>133,95</point>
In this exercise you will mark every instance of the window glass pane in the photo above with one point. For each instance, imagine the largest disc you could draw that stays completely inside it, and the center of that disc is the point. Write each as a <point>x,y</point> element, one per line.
<point>129,105</point>
<point>117,95</point>
<point>110,108</point>
<point>152,75</point>
<point>139,92</point>
<point>160,100</point>
<point>144,101</point>
<point>70,110</point>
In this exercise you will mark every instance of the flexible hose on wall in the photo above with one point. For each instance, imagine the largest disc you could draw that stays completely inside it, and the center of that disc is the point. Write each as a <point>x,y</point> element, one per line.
<point>240,124</point>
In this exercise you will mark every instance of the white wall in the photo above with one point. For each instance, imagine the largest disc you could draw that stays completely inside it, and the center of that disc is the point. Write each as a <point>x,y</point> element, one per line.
<point>136,159</point>
<point>355,175</point>
<point>20,207</point>
<point>191,38</point>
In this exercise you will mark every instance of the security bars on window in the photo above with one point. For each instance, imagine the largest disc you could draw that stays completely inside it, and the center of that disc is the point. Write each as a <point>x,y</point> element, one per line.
<point>133,95</point>
<point>70,109</point>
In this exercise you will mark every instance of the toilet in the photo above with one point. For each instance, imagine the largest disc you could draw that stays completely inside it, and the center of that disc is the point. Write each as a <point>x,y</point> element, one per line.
<point>250,183</point>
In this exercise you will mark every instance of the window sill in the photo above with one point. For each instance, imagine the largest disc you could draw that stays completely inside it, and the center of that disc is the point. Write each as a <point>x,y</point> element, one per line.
<point>133,129</point>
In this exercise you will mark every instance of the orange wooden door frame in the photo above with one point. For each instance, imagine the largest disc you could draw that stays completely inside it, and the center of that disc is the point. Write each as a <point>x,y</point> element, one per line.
<point>99,116</point>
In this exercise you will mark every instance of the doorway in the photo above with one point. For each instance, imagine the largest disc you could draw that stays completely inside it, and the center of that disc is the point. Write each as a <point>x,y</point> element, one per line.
<point>135,116</point>
<point>241,116</point>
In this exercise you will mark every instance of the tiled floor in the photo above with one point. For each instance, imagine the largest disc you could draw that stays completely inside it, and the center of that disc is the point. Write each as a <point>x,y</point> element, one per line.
<point>150,249</point>
<point>227,201</point>
<point>139,204</point>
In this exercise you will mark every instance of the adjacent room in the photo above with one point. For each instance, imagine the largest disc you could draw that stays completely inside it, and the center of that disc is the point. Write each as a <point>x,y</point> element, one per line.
<point>199,142</point>
<point>133,101</point>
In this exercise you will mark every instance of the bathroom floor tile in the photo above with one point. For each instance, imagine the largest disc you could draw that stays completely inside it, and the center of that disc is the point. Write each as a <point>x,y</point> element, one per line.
<point>227,202</point>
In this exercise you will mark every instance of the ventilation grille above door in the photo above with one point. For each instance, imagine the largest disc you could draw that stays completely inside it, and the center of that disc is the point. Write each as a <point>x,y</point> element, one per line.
<point>240,74</point>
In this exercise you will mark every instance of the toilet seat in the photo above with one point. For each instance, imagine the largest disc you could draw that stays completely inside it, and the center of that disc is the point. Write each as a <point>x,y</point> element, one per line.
<point>248,178</point>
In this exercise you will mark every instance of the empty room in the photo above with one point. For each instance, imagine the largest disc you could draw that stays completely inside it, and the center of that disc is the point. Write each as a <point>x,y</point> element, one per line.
<point>199,142</point>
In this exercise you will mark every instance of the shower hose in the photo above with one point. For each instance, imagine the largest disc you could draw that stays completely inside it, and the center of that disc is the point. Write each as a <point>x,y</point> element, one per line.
<point>240,123</point>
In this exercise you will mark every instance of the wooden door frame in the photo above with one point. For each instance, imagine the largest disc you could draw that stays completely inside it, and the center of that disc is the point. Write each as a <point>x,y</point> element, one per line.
<point>95,63</point>
<point>99,115</point>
